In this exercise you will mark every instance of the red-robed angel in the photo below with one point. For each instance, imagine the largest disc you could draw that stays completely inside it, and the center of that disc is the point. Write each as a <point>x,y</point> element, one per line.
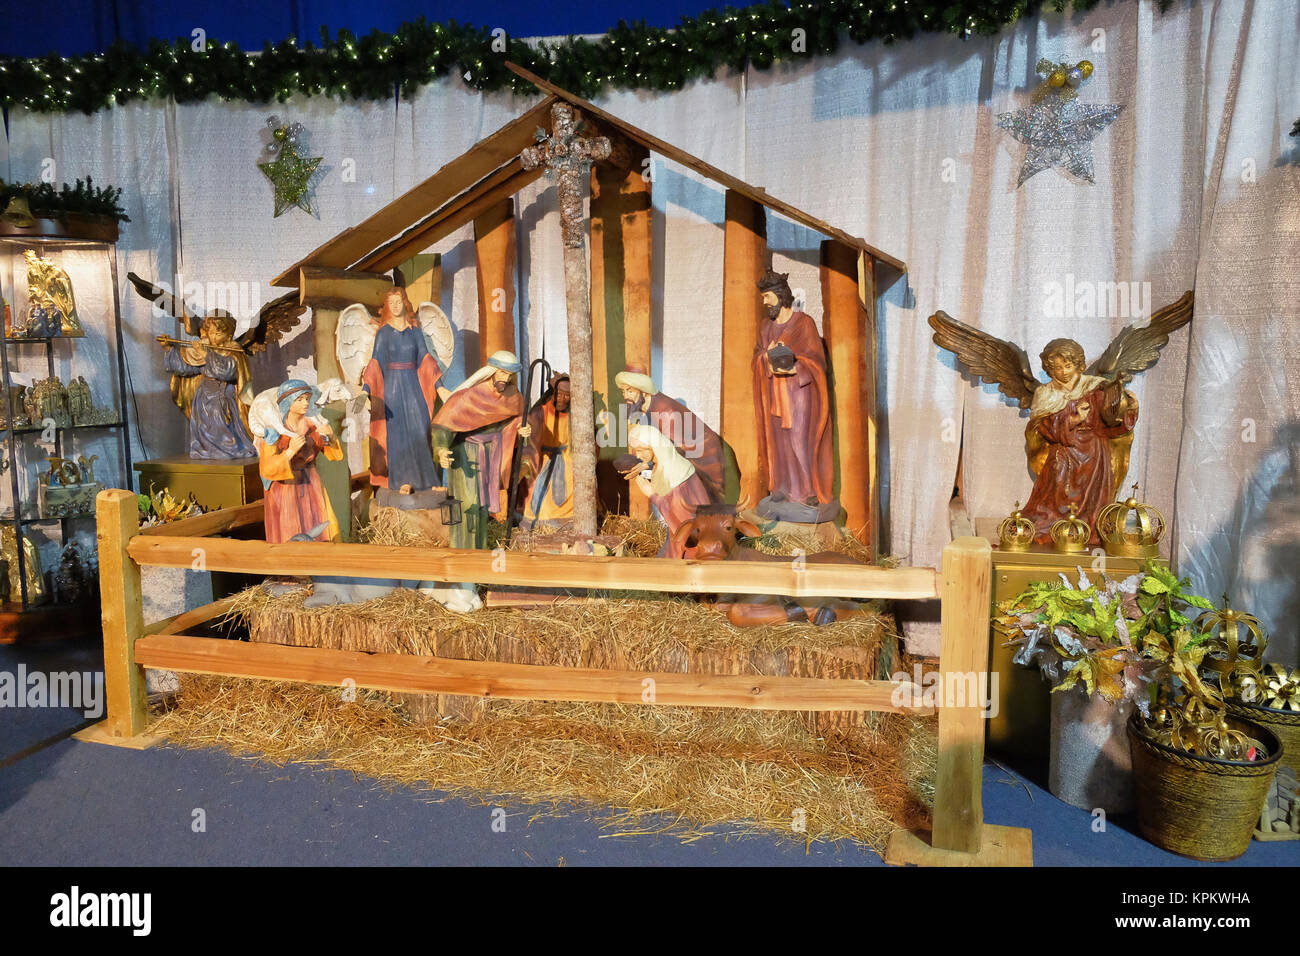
<point>1081,420</point>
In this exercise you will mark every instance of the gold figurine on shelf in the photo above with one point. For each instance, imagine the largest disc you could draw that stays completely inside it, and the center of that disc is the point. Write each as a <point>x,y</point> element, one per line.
<point>37,593</point>
<point>51,310</point>
<point>1081,419</point>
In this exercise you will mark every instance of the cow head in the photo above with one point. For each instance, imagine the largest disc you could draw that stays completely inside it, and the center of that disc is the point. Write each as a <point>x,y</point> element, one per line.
<point>713,533</point>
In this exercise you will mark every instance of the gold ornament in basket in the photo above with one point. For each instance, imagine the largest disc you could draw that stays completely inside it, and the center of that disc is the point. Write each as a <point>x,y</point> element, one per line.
<point>1130,529</point>
<point>1231,655</point>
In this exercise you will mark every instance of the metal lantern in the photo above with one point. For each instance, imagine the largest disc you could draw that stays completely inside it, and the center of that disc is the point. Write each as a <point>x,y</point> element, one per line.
<point>451,511</point>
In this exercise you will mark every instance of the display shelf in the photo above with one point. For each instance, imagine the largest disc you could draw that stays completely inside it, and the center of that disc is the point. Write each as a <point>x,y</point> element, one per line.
<point>51,240</point>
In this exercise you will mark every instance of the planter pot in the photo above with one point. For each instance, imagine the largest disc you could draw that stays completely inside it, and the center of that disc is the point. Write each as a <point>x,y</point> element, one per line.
<point>1201,807</point>
<point>1090,765</point>
<point>1283,723</point>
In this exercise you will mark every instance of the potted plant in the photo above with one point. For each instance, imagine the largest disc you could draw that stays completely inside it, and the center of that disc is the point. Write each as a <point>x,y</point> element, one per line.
<point>1104,646</point>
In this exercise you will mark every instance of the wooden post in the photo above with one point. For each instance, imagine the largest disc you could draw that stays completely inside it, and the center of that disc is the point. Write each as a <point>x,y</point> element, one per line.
<point>844,326</point>
<point>621,250</point>
<point>117,519</point>
<point>494,251</point>
<point>423,275</point>
<point>744,259</point>
<point>966,582</point>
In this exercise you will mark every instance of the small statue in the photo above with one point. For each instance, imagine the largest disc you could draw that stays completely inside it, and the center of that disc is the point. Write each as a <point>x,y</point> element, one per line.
<point>77,577</point>
<point>52,310</point>
<point>547,459</point>
<point>48,400</point>
<point>37,593</point>
<point>290,434</point>
<point>80,405</point>
<point>792,394</point>
<point>696,441</point>
<point>670,481</point>
<point>1081,421</point>
<point>398,358</point>
<point>210,381</point>
<point>474,438</point>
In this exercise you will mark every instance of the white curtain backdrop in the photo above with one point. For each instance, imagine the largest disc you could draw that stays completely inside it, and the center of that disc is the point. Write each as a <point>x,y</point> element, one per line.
<point>1197,187</point>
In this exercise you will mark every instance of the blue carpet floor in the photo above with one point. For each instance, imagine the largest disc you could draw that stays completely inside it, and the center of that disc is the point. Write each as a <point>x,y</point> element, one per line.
<point>82,804</point>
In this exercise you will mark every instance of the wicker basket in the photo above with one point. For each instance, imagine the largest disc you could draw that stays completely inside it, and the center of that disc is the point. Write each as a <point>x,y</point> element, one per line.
<point>1199,806</point>
<point>1284,723</point>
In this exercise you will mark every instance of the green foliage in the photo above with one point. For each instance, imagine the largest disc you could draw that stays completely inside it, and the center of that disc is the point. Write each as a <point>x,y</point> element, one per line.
<point>1116,639</point>
<point>378,66</point>
<point>85,198</point>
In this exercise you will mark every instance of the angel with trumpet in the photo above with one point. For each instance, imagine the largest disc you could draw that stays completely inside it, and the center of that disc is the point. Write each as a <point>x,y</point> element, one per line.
<point>1081,419</point>
<point>399,358</point>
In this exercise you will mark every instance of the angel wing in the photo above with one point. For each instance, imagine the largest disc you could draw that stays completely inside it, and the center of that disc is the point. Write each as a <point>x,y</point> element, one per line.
<point>276,318</point>
<point>439,334</point>
<point>999,363</point>
<point>1137,348</point>
<point>354,341</point>
<point>171,304</point>
<point>264,416</point>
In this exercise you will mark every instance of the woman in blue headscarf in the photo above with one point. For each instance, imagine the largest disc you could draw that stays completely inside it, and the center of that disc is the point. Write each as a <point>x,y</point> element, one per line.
<point>296,503</point>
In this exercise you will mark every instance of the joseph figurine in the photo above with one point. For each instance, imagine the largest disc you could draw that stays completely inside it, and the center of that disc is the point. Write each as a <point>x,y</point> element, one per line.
<point>794,410</point>
<point>473,437</point>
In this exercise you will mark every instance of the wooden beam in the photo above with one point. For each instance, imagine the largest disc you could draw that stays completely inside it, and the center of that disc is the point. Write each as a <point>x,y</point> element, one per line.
<point>539,570</point>
<point>870,386</point>
<point>494,252</point>
<point>470,167</point>
<point>464,209</point>
<point>117,520</point>
<point>187,619</point>
<point>744,259</point>
<point>621,249</point>
<point>423,275</point>
<point>413,674</point>
<point>755,193</point>
<point>967,579</point>
<point>844,328</point>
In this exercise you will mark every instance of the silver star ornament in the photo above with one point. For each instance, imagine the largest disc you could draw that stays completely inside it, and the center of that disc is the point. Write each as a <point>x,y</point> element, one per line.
<point>1058,133</point>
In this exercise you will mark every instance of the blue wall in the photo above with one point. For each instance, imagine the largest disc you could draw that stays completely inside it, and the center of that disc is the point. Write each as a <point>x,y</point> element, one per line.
<point>85,26</point>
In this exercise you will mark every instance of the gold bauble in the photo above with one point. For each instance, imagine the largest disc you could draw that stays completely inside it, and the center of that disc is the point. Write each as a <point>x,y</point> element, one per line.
<point>1057,78</point>
<point>1085,67</point>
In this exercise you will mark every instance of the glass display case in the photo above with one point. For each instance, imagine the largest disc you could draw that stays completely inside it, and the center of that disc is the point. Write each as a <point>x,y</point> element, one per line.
<point>63,418</point>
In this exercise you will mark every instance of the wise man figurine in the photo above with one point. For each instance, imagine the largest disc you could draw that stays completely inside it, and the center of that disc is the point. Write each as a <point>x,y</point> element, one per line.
<point>696,441</point>
<point>792,396</point>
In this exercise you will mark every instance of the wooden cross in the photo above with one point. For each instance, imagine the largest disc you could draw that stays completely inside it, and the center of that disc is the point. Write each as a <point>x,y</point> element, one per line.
<point>568,156</point>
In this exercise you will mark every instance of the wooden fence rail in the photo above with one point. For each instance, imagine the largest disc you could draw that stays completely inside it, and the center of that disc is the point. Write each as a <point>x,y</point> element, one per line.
<point>960,837</point>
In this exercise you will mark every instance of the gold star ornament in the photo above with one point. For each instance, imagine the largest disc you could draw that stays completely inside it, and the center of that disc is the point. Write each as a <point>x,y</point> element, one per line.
<point>290,172</point>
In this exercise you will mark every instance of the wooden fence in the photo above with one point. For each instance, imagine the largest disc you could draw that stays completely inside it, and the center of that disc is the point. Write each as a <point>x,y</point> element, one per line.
<point>959,835</point>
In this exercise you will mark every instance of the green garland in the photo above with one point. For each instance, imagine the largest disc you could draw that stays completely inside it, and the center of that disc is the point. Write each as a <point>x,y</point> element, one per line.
<point>373,67</point>
<point>84,199</point>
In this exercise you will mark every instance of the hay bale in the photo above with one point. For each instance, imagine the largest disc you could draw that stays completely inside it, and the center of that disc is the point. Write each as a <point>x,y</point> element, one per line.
<point>665,633</point>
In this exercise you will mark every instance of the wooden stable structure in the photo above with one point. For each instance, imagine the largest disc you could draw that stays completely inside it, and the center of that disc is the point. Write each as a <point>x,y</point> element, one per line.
<point>477,188</point>
<point>959,836</point>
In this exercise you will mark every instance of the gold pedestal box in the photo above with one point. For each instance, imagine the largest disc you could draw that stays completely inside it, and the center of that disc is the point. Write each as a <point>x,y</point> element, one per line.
<point>1023,722</point>
<point>214,483</point>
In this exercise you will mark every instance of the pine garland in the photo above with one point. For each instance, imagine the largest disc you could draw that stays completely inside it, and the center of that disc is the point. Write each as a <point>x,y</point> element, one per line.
<point>84,199</point>
<point>375,66</point>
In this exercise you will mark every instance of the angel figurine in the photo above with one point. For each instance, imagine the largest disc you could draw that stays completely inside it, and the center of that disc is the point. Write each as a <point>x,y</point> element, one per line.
<point>291,433</point>
<point>398,358</point>
<point>1081,420</point>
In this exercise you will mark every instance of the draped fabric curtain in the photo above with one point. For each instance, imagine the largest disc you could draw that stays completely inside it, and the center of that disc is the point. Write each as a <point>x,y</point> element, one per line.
<point>1197,187</point>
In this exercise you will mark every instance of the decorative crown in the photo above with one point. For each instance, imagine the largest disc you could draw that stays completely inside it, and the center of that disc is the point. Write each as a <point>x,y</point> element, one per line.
<point>1230,654</point>
<point>1130,528</point>
<point>1071,534</point>
<point>1016,532</point>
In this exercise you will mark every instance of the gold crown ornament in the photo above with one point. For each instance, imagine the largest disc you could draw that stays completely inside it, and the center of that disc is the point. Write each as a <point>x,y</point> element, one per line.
<point>1130,529</point>
<point>1016,532</point>
<point>1070,535</point>
<point>1229,655</point>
